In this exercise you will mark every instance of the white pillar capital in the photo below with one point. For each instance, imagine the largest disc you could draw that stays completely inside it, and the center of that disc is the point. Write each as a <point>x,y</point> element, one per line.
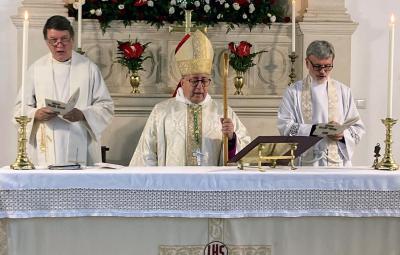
<point>322,10</point>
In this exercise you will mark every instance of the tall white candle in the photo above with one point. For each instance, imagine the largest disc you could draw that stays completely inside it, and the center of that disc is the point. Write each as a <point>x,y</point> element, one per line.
<point>293,25</point>
<point>80,24</point>
<point>25,31</point>
<point>390,68</point>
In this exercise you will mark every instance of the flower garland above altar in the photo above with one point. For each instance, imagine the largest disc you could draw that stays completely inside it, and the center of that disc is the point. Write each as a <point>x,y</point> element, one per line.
<point>160,12</point>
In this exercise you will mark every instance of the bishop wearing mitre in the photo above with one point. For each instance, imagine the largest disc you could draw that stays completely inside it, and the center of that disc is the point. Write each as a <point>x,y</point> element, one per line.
<point>188,129</point>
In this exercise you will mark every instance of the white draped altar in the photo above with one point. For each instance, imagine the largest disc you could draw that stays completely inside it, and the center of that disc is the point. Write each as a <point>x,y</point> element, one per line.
<point>167,210</point>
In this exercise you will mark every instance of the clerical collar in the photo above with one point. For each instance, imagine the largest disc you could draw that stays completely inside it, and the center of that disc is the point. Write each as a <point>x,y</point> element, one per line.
<point>180,97</point>
<point>67,62</point>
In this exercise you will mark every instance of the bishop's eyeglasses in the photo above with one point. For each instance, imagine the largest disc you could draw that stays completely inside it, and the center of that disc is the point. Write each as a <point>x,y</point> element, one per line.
<point>318,68</point>
<point>205,82</point>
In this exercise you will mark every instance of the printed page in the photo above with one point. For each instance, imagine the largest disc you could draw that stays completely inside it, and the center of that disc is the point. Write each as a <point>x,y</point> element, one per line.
<point>62,108</point>
<point>326,129</point>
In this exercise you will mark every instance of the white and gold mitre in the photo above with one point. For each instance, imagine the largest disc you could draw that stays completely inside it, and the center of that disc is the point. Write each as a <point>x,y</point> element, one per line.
<point>194,54</point>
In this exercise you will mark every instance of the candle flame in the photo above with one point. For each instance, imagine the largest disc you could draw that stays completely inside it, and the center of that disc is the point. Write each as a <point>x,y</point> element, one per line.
<point>392,19</point>
<point>26,15</point>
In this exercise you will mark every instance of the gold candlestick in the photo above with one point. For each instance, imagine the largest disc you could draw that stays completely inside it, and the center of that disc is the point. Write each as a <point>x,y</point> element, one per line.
<point>387,162</point>
<point>292,74</point>
<point>22,161</point>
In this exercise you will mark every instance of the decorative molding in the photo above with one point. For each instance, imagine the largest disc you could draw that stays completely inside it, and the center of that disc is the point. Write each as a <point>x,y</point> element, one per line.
<point>328,29</point>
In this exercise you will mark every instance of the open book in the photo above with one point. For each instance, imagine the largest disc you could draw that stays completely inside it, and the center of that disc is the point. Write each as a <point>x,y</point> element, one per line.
<point>62,108</point>
<point>325,129</point>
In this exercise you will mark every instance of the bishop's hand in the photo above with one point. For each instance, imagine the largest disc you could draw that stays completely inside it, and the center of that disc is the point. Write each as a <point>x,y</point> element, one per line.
<point>227,127</point>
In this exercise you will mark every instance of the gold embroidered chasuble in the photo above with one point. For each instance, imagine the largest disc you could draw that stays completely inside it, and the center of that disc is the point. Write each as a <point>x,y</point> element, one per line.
<point>171,138</point>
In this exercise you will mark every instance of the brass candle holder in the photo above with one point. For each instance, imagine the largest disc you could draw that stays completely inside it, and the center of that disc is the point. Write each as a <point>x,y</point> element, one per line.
<point>22,161</point>
<point>387,162</point>
<point>292,74</point>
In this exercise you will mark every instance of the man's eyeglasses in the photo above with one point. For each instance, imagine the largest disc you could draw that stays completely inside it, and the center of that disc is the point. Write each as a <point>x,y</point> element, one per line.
<point>318,68</point>
<point>204,82</point>
<point>63,41</point>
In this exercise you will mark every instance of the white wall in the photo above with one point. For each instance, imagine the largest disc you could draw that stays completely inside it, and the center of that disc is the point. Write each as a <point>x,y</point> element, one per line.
<point>368,78</point>
<point>8,86</point>
<point>369,71</point>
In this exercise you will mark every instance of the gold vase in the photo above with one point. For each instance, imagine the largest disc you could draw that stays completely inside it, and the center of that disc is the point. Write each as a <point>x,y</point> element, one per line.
<point>238,81</point>
<point>134,80</point>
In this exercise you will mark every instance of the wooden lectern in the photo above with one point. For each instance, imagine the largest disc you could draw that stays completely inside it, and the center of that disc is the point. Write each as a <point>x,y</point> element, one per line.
<point>273,150</point>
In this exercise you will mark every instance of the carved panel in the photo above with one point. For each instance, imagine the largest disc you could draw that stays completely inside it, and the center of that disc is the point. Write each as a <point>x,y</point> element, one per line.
<point>250,249</point>
<point>181,250</point>
<point>268,77</point>
<point>199,250</point>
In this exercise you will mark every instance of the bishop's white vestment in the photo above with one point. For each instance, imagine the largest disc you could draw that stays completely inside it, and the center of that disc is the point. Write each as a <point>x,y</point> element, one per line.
<point>306,103</point>
<point>58,141</point>
<point>169,136</point>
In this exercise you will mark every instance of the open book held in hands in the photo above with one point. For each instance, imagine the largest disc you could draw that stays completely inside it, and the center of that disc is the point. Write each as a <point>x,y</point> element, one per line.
<point>325,129</point>
<point>62,108</point>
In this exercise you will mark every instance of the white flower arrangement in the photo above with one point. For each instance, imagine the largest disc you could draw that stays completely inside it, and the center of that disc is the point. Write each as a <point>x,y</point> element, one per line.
<point>158,13</point>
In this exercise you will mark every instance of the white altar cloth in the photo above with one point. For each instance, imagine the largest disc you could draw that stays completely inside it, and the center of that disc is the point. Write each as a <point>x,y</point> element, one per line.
<point>167,211</point>
<point>205,192</point>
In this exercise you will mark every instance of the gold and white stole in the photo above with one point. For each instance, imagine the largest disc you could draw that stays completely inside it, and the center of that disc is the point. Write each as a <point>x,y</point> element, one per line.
<point>307,111</point>
<point>194,135</point>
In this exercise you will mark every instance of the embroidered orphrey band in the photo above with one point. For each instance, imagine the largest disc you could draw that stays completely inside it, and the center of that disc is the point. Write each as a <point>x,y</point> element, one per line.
<point>193,135</point>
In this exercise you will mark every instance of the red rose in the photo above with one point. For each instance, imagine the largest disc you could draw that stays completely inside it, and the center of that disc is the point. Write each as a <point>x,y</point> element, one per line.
<point>140,2</point>
<point>231,47</point>
<point>137,49</point>
<point>243,49</point>
<point>127,50</point>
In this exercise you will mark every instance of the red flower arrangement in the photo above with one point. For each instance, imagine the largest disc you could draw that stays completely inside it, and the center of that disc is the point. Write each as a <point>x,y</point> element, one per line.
<point>240,57</point>
<point>131,55</point>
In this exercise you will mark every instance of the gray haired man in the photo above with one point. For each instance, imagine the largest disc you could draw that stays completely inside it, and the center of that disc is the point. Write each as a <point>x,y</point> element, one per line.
<point>316,100</point>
